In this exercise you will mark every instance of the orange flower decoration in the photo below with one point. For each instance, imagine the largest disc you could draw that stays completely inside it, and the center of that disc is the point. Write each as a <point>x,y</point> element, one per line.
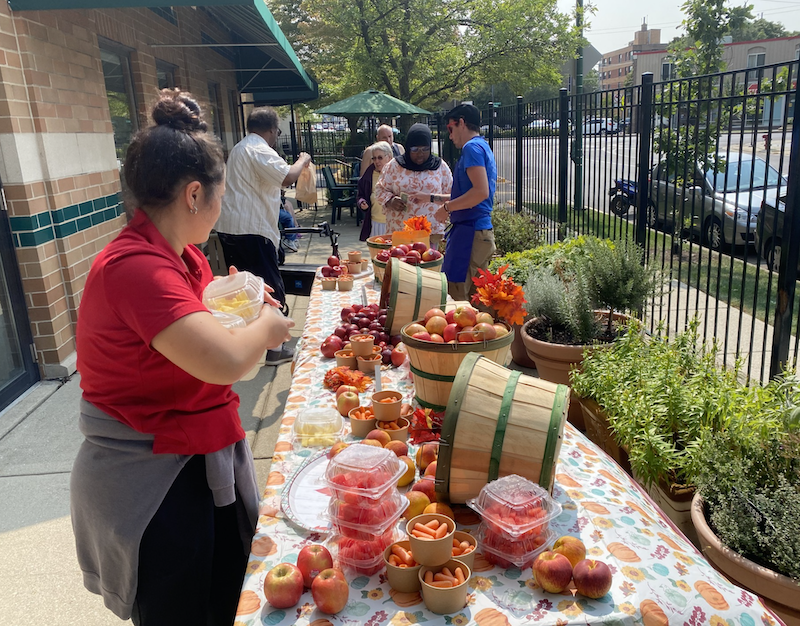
<point>343,375</point>
<point>501,294</point>
<point>418,222</point>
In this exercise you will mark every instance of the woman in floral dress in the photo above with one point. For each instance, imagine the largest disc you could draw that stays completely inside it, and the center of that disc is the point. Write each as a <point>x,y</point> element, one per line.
<point>414,183</point>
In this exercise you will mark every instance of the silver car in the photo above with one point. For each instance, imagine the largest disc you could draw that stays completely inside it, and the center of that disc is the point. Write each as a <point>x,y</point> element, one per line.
<point>721,207</point>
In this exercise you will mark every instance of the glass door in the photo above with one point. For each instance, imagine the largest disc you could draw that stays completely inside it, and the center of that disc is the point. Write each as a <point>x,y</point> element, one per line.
<point>18,370</point>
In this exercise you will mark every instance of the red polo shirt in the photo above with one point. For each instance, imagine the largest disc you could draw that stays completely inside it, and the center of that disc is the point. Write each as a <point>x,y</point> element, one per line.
<point>136,288</point>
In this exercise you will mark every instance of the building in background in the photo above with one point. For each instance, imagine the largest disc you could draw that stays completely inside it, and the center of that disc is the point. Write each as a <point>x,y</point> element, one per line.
<point>616,66</point>
<point>75,85</point>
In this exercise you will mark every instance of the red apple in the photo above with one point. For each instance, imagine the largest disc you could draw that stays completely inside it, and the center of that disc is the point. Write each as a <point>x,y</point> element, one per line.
<point>553,571</point>
<point>347,402</point>
<point>483,331</point>
<point>337,271</point>
<point>404,247</point>
<point>433,313</point>
<point>465,334</point>
<point>483,316</point>
<point>414,328</point>
<point>437,338</point>
<point>330,591</point>
<point>592,578</point>
<point>399,356</point>
<point>429,255</point>
<point>326,271</point>
<point>412,260</point>
<point>570,547</point>
<point>331,346</point>
<point>436,324</point>
<point>396,340</point>
<point>383,256</point>
<point>312,560</point>
<point>450,332</point>
<point>464,315</point>
<point>449,316</point>
<point>419,247</point>
<point>333,261</point>
<point>422,336</point>
<point>397,252</point>
<point>413,254</point>
<point>344,388</point>
<point>347,313</point>
<point>283,586</point>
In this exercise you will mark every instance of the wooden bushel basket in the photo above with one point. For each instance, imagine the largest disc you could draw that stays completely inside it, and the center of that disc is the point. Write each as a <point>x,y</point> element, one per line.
<point>408,291</point>
<point>375,247</point>
<point>435,365</point>
<point>498,422</point>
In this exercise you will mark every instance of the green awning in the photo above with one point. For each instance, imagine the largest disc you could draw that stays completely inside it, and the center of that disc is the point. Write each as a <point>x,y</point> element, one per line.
<point>372,102</point>
<point>265,64</point>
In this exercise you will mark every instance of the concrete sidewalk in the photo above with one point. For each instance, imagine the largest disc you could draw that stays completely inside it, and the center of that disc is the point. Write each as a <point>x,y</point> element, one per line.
<point>40,582</point>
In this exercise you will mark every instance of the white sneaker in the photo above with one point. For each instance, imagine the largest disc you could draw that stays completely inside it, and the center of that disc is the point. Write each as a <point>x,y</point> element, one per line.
<point>288,245</point>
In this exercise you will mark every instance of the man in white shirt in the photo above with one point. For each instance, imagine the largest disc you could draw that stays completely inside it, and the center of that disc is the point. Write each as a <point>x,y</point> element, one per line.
<point>248,223</point>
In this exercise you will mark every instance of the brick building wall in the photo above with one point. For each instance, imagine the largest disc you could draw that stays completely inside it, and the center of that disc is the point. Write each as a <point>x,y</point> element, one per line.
<point>57,153</point>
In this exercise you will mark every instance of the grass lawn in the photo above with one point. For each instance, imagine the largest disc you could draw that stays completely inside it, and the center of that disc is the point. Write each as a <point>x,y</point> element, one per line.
<point>745,286</point>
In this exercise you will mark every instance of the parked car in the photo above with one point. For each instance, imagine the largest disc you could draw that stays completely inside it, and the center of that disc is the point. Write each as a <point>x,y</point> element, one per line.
<point>599,126</point>
<point>556,126</point>
<point>721,207</point>
<point>769,231</point>
<point>539,124</point>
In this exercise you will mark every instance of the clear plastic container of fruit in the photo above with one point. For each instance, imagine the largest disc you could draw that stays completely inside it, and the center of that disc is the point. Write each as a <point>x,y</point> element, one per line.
<point>228,320</point>
<point>366,522</point>
<point>362,474</point>
<point>362,556</point>
<point>317,427</point>
<point>515,507</point>
<point>241,294</point>
<point>504,552</point>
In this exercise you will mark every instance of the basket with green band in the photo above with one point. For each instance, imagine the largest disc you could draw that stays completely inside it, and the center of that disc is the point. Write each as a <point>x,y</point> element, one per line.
<point>408,291</point>
<point>498,422</point>
<point>435,365</point>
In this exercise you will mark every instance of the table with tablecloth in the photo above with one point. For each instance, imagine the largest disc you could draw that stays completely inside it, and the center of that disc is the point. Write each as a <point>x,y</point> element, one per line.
<point>659,576</point>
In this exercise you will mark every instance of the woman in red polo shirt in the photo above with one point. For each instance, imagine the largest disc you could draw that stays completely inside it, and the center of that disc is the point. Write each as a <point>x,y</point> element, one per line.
<point>164,496</point>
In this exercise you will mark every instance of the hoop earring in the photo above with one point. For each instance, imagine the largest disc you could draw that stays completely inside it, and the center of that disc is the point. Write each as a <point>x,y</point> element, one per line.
<point>193,210</point>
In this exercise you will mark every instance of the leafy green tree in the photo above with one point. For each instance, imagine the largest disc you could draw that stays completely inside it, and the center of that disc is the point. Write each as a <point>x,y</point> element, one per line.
<point>424,51</point>
<point>753,30</point>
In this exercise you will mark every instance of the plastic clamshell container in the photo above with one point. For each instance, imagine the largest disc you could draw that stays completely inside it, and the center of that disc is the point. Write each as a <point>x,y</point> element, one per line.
<point>361,557</point>
<point>366,522</point>
<point>317,427</point>
<point>228,320</point>
<point>515,506</point>
<point>505,552</point>
<point>362,474</point>
<point>241,294</point>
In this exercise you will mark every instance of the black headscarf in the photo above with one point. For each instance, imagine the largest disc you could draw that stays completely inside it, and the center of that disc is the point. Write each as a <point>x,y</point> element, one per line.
<point>418,135</point>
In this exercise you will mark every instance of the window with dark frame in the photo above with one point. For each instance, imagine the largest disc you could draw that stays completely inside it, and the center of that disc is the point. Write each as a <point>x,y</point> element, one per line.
<point>121,96</point>
<point>216,108</point>
<point>165,74</point>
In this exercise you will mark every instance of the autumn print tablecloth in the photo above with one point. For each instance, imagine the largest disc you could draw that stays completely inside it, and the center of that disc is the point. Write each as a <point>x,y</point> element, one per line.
<point>659,576</point>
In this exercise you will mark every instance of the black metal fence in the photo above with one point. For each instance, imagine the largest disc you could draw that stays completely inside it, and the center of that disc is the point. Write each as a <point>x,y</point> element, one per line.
<point>704,161</point>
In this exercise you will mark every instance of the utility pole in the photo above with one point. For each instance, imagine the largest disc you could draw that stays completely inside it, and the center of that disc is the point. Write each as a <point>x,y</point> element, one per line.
<point>577,152</point>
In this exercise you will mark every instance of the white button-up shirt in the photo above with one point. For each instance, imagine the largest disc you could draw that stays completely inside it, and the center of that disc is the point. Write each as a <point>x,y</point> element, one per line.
<point>252,199</point>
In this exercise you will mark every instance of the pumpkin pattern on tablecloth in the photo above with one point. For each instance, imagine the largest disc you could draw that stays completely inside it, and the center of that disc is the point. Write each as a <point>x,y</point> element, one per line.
<point>491,617</point>
<point>404,599</point>
<point>594,507</point>
<point>623,553</point>
<point>711,595</point>
<point>263,546</point>
<point>248,603</point>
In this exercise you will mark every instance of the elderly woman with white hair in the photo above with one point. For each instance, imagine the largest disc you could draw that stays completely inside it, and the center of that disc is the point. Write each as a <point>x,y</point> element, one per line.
<point>374,216</point>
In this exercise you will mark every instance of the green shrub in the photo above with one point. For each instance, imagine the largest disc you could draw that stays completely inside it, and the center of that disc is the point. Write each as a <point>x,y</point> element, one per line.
<point>515,232</point>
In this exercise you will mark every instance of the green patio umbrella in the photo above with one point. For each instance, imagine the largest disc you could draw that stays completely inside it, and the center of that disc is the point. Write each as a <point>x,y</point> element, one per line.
<point>371,102</point>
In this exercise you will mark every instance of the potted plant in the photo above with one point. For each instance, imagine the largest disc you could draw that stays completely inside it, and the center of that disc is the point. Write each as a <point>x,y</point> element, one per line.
<point>564,296</point>
<point>747,507</point>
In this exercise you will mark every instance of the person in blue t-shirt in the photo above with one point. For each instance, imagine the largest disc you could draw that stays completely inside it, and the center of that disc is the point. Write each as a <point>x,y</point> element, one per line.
<point>470,241</point>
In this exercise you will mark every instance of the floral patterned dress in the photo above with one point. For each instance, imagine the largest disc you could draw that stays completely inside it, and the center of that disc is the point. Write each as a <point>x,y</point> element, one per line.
<point>395,179</point>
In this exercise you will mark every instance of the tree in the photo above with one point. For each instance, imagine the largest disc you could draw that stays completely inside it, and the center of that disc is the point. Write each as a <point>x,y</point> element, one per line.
<point>424,51</point>
<point>753,30</point>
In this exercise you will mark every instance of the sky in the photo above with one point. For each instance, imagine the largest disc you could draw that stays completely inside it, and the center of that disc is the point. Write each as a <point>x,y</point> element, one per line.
<point>615,21</point>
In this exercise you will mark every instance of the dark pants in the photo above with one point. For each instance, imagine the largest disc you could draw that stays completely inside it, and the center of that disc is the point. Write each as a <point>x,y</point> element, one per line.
<point>257,255</point>
<point>191,559</point>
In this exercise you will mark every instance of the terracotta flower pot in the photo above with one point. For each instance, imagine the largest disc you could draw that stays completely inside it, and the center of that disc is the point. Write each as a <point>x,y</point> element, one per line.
<point>597,430</point>
<point>676,503</point>
<point>780,593</point>
<point>519,354</point>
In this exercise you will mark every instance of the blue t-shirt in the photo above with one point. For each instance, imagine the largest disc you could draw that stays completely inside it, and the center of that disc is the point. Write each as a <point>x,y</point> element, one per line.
<point>476,152</point>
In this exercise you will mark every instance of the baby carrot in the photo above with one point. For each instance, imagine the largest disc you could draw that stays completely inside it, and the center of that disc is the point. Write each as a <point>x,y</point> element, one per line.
<point>441,577</point>
<point>459,576</point>
<point>464,544</point>
<point>446,571</point>
<point>424,529</point>
<point>467,550</point>
<point>394,561</point>
<point>428,578</point>
<point>441,531</point>
<point>441,584</point>
<point>433,524</point>
<point>455,542</point>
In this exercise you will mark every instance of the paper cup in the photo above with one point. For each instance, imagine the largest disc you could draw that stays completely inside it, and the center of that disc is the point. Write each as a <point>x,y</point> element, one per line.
<point>399,434</point>
<point>360,428</point>
<point>362,344</point>
<point>387,411</point>
<point>403,579</point>
<point>345,283</point>
<point>368,365</point>
<point>447,600</point>
<point>329,284</point>
<point>431,552</point>
<point>346,358</point>
<point>354,256</point>
<point>469,557</point>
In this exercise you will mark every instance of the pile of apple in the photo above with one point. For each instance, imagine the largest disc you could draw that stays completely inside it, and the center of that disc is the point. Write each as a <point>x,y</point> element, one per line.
<point>358,319</point>
<point>464,324</point>
<point>413,254</point>
<point>334,268</point>
<point>284,583</point>
<point>567,562</point>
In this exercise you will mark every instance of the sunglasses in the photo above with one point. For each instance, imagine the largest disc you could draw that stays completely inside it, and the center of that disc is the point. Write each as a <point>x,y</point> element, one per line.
<point>419,149</point>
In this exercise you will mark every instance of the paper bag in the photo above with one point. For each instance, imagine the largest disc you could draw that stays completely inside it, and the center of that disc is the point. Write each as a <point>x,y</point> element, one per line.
<point>306,190</point>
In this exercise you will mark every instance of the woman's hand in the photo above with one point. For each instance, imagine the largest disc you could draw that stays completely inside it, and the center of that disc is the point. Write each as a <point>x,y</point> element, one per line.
<point>363,204</point>
<point>268,299</point>
<point>396,204</point>
<point>276,325</point>
<point>442,215</point>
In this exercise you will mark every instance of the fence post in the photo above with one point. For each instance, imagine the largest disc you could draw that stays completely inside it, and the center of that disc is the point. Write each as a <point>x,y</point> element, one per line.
<point>563,160</point>
<point>310,138</point>
<point>787,272</point>
<point>491,126</point>
<point>518,146</point>
<point>644,124</point>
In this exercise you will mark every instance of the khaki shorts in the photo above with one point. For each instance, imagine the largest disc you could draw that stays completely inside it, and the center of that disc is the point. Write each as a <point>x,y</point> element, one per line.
<point>482,250</point>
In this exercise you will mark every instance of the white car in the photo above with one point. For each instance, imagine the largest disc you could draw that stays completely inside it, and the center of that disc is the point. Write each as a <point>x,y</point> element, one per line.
<point>599,126</point>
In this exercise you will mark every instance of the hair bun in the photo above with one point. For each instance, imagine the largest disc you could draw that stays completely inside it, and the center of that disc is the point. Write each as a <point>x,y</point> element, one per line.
<point>178,110</point>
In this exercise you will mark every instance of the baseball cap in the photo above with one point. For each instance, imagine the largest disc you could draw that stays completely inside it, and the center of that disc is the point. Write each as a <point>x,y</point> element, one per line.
<point>470,113</point>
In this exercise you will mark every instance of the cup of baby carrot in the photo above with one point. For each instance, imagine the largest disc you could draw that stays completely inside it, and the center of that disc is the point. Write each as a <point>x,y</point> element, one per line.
<point>464,546</point>
<point>444,587</point>
<point>431,537</point>
<point>387,405</point>
<point>401,568</point>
